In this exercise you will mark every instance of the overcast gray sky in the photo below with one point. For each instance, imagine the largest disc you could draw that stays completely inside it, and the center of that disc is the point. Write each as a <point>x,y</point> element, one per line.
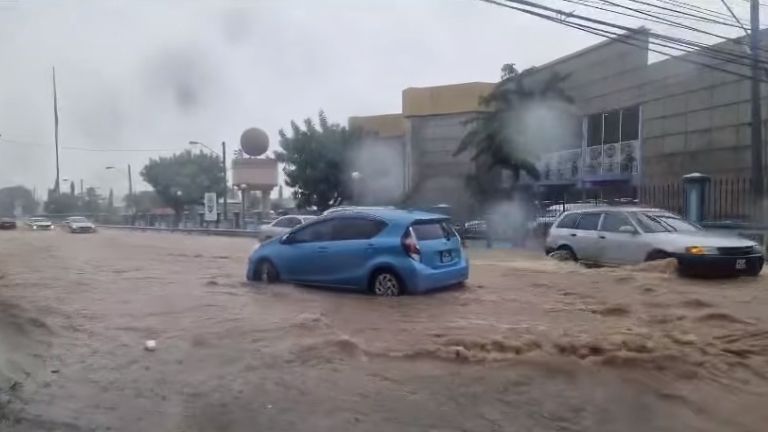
<point>156,74</point>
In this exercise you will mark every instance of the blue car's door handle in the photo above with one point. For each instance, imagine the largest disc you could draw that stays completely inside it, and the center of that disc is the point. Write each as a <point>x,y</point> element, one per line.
<point>322,249</point>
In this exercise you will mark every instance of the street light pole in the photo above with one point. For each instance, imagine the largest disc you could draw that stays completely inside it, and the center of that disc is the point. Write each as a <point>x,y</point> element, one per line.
<point>226,186</point>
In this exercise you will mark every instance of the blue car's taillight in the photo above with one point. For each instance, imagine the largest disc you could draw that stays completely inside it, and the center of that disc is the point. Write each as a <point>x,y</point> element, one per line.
<point>411,245</point>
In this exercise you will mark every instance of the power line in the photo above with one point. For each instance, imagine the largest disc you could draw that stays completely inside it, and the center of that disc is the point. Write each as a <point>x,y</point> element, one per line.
<point>686,42</point>
<point>694,8</point>
<point>117,150</point>
<point>727,6</point>
<point>703,49</point>
<point>618,37</point>
<point>38,144</point>
<point>677,15</point>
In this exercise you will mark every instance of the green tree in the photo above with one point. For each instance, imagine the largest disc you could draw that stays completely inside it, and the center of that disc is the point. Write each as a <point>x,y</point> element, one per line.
<point>111,201</point>
<point>182,179</point>
<point>314,161</point>
<point>92,201</point>
<point>494,136</point>
<point>13,196</point>
<point>143,202</point>
<point>61,203</point>
<point>72,188</point>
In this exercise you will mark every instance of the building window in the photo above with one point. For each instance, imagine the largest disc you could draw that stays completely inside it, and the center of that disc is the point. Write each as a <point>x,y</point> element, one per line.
<point>595,130</point>
<point>613,127</point>
<point>630,124</point>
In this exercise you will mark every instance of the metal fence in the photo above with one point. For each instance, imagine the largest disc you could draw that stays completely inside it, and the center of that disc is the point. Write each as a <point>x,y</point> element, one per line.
<point>725,198</point>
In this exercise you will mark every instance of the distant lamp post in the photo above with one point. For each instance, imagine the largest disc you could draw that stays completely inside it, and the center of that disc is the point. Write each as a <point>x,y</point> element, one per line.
<point>223,155</point>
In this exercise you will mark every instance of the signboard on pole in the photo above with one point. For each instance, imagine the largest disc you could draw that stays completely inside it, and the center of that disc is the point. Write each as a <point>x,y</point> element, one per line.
<point>211,212</point>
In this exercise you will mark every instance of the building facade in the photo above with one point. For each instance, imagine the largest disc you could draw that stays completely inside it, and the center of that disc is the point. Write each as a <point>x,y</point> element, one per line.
<point>633,123</point>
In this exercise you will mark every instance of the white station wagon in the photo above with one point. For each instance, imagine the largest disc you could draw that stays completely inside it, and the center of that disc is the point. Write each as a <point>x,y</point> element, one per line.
<point>631,235</point>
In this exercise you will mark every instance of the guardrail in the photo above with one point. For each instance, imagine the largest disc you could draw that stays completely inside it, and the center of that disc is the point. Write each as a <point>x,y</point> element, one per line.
<point>201,231</point>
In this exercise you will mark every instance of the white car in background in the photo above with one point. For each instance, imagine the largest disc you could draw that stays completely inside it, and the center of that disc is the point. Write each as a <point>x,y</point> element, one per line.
<point>79,224</point>
<point>339,209</point>
<point>40,224</point>
<point>281,226</point>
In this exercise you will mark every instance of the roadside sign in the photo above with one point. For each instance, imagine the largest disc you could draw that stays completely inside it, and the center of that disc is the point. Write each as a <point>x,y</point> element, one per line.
<point>211,212</point>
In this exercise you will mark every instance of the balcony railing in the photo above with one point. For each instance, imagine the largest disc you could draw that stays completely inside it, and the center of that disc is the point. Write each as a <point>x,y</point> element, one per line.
<point>606,161</point>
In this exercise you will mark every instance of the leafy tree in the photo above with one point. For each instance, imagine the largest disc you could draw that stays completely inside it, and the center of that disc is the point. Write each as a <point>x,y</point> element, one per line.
<point>182,179</point>
<point>92,201</point>
<point>12,196</point>
<point>111,201</point>
<point>61,203</point>
<point>143,202</point>
<point>508,70</point>
<point>72,188</point>
<point>496,138</point>
<point>314,161</point>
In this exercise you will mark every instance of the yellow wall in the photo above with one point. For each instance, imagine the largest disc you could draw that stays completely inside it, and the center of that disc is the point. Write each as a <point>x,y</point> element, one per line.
<point>447,99</point>
<point>385,125</point>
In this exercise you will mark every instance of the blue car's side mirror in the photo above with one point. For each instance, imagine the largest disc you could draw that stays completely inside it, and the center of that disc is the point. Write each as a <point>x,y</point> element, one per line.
<point>285,239</point>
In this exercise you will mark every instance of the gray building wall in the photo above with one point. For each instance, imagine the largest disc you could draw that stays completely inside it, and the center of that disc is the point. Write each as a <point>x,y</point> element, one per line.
<point>694,119</point>
<point>436,176</point>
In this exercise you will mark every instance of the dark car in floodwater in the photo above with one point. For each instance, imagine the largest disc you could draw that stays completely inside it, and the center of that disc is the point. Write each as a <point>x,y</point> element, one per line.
<point>7,223</point>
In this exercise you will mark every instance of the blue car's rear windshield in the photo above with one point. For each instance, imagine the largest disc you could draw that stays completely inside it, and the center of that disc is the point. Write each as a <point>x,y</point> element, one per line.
<point>433,230</point>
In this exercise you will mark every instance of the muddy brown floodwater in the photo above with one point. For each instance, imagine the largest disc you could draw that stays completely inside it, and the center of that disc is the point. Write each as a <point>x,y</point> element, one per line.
<point>529,344</point>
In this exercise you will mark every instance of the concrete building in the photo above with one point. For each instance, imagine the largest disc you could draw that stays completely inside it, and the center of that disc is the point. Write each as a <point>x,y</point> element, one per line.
<point>633,123</point>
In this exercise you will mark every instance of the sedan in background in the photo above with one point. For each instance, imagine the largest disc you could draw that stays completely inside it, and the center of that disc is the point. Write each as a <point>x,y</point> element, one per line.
<point>385,252</point>
<point>631,235</point>
<point>281,226</point>
<point>79,224</point>
<point>39,224</point>
<point>7,224</point>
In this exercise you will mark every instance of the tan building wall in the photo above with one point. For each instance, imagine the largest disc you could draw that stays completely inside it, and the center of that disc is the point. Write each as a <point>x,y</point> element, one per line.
<point>446,99</point>
<point>385,125</point>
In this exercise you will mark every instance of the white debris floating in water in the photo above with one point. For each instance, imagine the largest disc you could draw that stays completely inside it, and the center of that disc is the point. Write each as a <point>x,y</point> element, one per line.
<point>150,345</point>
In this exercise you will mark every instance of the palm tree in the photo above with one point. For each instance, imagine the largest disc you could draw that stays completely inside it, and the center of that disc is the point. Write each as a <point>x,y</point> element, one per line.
<point>493,136</point>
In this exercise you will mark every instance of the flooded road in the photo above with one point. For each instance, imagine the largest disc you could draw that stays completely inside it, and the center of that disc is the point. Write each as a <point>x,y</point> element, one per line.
<point>529,344</point>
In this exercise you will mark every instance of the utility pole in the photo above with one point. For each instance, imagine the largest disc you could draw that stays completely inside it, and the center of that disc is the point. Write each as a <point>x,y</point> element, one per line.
<point>56,130</point>
<point>130,196</point>
<point>226,185</point>
<point>82,190</point>
<point>130,182</point>
<point>757,118</point>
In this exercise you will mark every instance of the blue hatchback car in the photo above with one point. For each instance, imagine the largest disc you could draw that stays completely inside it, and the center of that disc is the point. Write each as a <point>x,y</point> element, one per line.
<point>387,252</point>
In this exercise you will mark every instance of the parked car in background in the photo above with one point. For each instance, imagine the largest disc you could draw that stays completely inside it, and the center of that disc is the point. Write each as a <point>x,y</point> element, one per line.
<point>631,235</point>
<point>282,225</point>
<point>542,224</point>
<point>386,252</point>
<point>475,229</point>
<point>333,210</point>
<point>39,224</point>
<point>7,223</point>
<point>79,224</point>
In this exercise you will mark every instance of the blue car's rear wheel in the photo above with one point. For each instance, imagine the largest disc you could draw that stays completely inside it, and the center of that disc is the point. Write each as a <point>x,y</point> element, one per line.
<point>266,272</point>
<point>386,283</point>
